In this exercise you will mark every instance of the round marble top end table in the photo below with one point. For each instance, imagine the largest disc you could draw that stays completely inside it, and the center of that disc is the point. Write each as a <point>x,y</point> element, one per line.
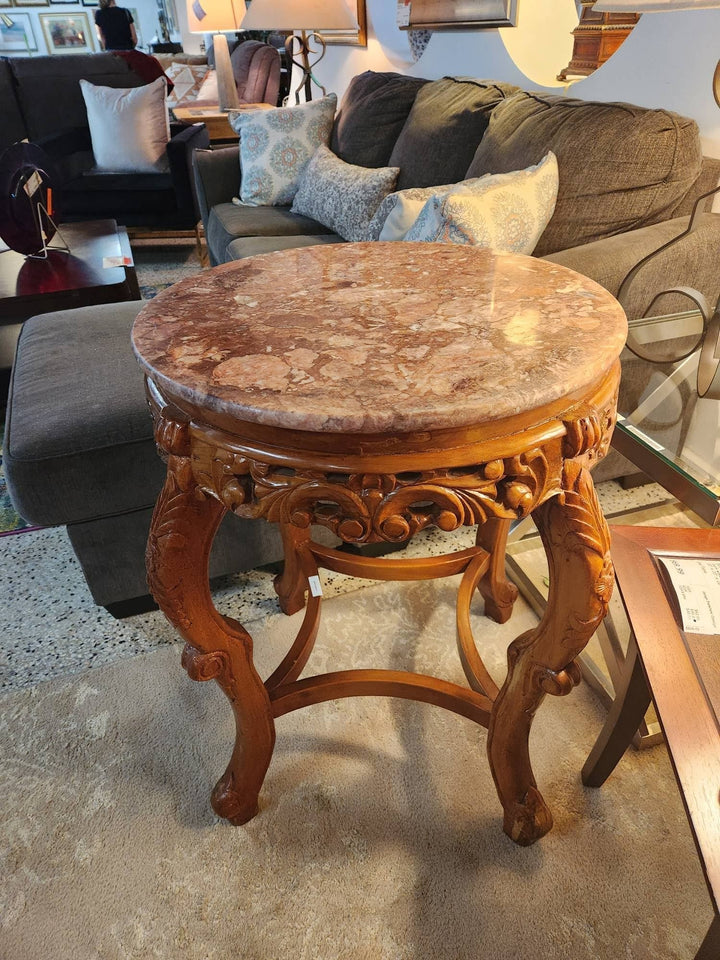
<point>377,389</point>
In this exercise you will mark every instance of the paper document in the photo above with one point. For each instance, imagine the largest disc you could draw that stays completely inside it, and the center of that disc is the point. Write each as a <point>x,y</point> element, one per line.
<point>696,582</point>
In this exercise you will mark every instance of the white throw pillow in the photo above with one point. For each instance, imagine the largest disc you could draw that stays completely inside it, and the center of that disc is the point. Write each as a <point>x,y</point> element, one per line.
<point>399,211</point>
<point>342,196</point>
<point>276,146</point>
<point>129,128</point>
<point>505,211</point>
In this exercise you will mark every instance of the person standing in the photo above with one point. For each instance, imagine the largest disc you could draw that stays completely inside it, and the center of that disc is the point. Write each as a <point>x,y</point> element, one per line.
<point>115,27</point>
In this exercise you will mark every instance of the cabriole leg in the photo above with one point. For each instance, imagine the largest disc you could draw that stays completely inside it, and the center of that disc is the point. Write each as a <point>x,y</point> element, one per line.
<point>218,648</point>
<point>541,661</point>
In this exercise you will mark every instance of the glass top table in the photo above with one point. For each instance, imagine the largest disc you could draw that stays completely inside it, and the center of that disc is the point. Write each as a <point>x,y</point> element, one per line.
<point>663,426</point>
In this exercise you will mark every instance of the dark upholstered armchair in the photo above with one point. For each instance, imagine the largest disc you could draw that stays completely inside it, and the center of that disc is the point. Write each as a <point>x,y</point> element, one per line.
<point>42,101</point>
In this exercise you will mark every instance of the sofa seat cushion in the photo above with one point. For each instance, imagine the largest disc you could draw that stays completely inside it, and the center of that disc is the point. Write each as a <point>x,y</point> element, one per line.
<point>78,420</point>
<point>98,182</point>
<point>228,221</point>
<point>621,167</point>
<point>252,246</point>
<point>372,113</point>
<point>445,125</point>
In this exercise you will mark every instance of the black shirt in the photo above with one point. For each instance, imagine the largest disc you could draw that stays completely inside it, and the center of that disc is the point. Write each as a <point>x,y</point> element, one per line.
<point>114,23</point>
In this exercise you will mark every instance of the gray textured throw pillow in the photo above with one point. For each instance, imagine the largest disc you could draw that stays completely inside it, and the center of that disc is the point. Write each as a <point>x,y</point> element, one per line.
<point>342,196</point>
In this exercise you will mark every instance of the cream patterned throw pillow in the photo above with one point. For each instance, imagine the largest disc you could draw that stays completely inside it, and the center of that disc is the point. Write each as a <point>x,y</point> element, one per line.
<point>506,211</point>
<point>342,196</point>
<point>276,146</point>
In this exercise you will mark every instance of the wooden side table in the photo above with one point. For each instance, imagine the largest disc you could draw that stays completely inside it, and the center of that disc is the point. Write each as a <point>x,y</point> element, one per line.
<point>681,672</point>
<point>215,119</point>
<point>376,389</point>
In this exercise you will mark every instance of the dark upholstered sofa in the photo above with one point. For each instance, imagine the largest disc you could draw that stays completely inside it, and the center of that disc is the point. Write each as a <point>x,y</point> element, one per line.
<point>629,176</point>
<point>82,453</point>
<point>41,100</point>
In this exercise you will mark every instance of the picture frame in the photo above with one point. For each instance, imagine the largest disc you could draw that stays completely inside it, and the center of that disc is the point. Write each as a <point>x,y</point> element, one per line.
<point>19,38</point>
<point>67,32</point>
<point>60,2</point>
<point>462,14</point>
<point>32,3</point>
<point>5,3</point>
<point>90,3</point>
<point>355,38</point>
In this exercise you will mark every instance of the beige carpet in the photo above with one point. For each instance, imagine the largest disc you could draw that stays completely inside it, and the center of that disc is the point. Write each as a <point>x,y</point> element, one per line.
<point>379,834</point>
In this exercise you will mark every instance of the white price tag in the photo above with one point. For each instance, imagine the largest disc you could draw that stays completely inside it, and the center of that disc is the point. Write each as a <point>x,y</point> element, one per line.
<point>315,586</point>
<point>403,13</point>
<point>697,587</point>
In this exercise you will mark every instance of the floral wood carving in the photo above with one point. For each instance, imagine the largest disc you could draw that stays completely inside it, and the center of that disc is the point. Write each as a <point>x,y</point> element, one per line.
<point>376,507</point>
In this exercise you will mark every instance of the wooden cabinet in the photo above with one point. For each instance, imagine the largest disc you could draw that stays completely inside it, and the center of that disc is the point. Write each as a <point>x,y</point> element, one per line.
<point>597,37</point>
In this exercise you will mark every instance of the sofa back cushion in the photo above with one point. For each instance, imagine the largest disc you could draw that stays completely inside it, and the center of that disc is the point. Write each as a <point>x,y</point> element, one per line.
<point>48,88</point>
<point>371,115</point>
<point>446,123</point>
<point>621,167</point>
<point>12,127</point>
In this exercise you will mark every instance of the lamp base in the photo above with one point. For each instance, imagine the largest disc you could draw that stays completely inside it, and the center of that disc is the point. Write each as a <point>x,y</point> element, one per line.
<point>227,89</point>
<point>298,52</point>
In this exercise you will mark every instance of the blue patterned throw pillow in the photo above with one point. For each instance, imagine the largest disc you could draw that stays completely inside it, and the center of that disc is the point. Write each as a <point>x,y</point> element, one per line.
<point>342,196</point>
<point>276,146</point>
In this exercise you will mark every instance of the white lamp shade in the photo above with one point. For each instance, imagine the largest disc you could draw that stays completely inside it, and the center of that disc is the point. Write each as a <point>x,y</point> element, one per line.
<point>210,16</point>
<point>653,6</point>
<point>289,15</point>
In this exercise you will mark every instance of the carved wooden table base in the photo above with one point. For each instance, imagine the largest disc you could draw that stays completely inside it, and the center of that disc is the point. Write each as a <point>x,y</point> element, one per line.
<point>369,489</point>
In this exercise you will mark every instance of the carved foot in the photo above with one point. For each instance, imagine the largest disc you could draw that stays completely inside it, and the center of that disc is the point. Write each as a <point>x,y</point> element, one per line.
<point>528,820</point>
<point>497,591</point>
<point>234,805</point>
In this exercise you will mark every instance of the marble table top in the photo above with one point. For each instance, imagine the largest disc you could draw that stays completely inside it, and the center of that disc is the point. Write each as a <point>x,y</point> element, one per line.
<point>379,337</point>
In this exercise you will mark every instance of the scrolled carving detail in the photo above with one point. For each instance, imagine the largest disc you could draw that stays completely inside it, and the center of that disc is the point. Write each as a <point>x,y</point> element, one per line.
<point>172,436</point>
<point>558,683</point>
<point>372,507</point>
<point>588,435</point>
<point>205,666</point>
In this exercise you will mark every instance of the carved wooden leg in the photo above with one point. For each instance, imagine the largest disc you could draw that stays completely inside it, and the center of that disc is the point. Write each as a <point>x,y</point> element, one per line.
<point>291,584</point>
<point>218,648</point>
<point>576,541</point>
<point>499,593</point>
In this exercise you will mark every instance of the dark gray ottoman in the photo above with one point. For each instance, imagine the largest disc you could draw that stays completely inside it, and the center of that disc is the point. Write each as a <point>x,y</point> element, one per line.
<point>79,452</point>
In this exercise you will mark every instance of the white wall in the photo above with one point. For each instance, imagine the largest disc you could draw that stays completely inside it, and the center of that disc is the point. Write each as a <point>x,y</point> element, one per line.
<point>667,61</point>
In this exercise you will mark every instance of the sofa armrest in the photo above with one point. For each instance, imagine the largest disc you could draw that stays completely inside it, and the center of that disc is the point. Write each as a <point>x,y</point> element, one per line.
<point>691,262</point>
<point>185,138</point>
<point>217,178</point>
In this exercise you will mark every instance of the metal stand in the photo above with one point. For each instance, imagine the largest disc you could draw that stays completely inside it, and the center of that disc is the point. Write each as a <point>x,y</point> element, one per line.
<point>41,209</point>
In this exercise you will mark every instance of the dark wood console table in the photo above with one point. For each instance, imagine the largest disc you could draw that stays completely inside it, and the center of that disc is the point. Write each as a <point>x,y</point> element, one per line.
<point>78,278</point>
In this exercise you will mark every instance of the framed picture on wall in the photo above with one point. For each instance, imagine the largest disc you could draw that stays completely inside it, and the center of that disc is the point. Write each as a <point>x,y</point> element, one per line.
<point>59,2</point>
<point>90,3</point>
<point>67,33</point>
<point>353,37</point>
<point>5,3</point>
<point>17,36</point>
<point>462,14</point>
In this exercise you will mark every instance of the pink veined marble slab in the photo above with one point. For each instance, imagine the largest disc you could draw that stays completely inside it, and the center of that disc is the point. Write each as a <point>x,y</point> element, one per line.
<point>379,337</point>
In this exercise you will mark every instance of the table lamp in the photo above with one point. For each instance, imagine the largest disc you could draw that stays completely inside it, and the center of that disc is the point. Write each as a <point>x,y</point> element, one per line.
<point>213,16</point>
<point>307,17</point>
